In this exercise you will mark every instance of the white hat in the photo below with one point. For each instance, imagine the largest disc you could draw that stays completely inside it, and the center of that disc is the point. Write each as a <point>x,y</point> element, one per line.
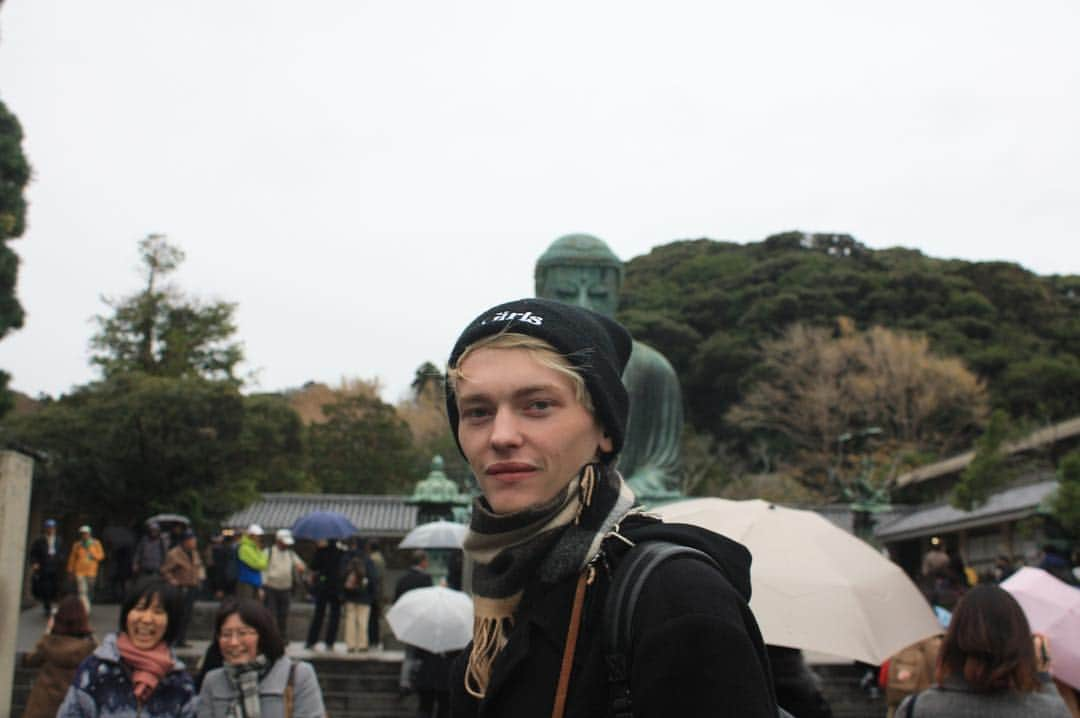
<point>285,536</point>
<point>255,530</point>
<point>85,528</point>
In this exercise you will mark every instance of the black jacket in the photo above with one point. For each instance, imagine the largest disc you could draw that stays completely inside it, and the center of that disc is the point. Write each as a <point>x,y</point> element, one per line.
<point>39,554</point>
<point>697,649</point>
<point>326,565</point>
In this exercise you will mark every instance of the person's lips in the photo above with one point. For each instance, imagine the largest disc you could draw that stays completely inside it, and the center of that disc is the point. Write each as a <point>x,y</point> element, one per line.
<point>510,470</point>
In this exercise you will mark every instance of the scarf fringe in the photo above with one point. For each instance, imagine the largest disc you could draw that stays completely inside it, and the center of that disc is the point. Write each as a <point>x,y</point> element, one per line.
<point>491,630</point>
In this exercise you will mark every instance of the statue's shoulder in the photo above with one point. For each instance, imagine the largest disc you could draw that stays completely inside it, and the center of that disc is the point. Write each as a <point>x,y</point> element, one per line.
<point>645,359</point>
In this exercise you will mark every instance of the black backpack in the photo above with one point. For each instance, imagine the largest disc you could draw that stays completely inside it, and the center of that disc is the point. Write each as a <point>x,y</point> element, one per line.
<point>626,586</point>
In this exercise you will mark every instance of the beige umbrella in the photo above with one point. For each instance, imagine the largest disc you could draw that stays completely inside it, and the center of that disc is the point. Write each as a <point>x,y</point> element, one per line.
<point>815,586</point>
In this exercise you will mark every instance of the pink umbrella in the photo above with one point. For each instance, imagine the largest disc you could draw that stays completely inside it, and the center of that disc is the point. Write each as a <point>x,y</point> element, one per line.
<point>1052,608</point>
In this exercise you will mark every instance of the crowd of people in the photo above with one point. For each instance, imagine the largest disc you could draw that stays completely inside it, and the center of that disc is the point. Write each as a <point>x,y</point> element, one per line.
<point>583,605</point>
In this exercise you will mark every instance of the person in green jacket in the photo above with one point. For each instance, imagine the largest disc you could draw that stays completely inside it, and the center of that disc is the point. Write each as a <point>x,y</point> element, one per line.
<point>252,561</point>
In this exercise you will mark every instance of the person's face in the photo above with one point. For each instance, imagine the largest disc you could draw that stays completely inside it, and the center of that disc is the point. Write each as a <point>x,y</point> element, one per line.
<point>190,543</point>
<point>592,287</point>
<point>239,642</point>
<point>522,428</point>
<point>146,623</point>
<point>50,531</point>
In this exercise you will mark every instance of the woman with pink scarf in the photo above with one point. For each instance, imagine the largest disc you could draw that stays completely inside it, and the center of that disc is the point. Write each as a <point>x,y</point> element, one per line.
<point>134,673</point>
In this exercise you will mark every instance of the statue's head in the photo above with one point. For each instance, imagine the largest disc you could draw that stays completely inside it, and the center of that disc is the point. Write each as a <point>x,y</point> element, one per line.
<point>580,269</point>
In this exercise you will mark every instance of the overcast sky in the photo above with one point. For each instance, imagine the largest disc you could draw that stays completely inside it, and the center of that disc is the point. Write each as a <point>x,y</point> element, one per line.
<point>364,177</point>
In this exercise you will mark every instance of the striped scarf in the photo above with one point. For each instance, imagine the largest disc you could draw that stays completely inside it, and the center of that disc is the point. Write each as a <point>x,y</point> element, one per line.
<point>552,541</point>
<point>245,679</point>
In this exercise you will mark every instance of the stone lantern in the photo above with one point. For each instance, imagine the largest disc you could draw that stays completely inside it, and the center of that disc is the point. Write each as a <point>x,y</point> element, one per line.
<point>437,495</point>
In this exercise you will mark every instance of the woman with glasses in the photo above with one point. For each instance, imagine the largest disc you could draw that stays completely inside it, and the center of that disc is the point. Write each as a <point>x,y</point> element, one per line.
<point>257,679</point>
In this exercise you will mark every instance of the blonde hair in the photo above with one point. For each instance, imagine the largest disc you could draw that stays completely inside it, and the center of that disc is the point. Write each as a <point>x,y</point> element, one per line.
<point>540,351</point>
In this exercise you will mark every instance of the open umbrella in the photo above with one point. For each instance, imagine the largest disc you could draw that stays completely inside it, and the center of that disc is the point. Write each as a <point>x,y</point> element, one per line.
<point>436,619</point>
<point>814,585</point>
<point>324,525</point>
<point>437,534</point>
<point>169,519</point>
<point>1052,608</point>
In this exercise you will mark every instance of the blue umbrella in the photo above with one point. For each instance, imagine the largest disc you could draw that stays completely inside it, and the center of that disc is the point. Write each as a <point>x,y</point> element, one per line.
<point>324,525</point>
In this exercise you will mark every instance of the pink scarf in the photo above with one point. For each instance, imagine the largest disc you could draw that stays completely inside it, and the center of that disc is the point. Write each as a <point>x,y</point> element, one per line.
<point>148,666</point>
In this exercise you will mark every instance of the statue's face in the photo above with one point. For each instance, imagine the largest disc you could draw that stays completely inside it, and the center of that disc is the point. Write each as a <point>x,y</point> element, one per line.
<point>592,287</point>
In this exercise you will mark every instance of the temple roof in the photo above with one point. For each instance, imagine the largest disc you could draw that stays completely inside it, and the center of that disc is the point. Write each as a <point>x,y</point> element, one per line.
<point>387,516</point>
<point>1010,505</point>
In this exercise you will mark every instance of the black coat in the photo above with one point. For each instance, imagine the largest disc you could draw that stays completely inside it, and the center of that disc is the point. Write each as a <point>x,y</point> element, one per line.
<point>697,649</point>
<point>45,583</point>
<point>326,565</point>
<point>39,554</point>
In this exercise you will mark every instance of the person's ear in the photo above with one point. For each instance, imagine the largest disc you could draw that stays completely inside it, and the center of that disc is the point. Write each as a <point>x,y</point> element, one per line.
<point>606,445</point>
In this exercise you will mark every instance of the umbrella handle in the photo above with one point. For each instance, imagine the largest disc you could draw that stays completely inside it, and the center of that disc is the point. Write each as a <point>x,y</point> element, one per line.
<point>1042,651</point>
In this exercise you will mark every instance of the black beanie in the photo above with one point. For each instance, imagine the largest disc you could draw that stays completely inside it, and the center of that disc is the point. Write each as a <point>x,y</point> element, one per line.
<point>596,346</point>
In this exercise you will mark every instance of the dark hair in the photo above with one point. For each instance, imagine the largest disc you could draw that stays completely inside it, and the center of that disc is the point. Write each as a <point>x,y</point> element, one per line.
<point>144,595</point>
<point>989,643</point>
<point>71,618</point>
<point>258,617</point>
<point>418,557</point>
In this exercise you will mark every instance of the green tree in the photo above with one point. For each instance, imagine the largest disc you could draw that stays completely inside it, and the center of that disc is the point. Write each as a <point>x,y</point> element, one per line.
<point>989,470</point>
<point>133,445</point>
<point>161,332</point>
<point>271,446</point>
<point>14,176</point>
<point>363,447</point>
<point>1065,505</point>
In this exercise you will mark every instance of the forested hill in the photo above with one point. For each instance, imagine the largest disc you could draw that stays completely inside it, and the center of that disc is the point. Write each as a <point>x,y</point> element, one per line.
<point>708,305</point>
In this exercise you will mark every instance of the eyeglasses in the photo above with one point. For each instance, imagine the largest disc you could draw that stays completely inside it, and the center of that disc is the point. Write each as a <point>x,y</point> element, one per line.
<point>239,634</point>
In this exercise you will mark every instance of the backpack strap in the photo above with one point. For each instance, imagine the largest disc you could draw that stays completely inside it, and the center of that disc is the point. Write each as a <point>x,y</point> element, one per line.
<point>290,690</point>
<point>626,587</point>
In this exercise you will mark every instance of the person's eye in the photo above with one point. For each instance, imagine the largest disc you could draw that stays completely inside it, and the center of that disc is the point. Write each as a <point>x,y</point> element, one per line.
<point>540,405</point>
<point>474,413</point>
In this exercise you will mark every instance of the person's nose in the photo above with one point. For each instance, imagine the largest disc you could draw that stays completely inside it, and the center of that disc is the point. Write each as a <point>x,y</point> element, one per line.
<point>505,430</point>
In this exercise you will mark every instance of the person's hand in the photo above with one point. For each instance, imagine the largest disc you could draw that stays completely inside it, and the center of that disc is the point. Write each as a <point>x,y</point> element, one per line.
<point>1042,652</point>
<point>49,623</point>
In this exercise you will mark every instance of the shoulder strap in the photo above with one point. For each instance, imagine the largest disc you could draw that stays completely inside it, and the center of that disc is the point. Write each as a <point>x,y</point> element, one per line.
<point>290,690</point>
<point>626,587</point>
<point>911,705</point>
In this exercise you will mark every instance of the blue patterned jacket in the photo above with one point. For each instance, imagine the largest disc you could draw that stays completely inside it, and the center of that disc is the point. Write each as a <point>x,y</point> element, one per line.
<point>102,688</point>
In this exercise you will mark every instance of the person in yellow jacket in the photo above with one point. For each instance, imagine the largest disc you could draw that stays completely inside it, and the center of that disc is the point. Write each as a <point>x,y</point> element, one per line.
<point>83,562</point>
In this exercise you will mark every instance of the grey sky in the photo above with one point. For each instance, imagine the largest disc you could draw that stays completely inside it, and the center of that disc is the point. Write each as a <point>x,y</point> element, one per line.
<point>364,177</point>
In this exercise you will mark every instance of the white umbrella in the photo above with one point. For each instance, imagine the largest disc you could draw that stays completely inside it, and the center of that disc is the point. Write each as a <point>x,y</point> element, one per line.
<point>436,619</point>
<point>814,585</point>
<point>437,534</point>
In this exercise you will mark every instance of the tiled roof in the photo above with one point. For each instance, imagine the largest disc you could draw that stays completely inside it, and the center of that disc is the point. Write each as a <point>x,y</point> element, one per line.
<point>1010,505</point>
<point>377,515</point>
<point>1043,437</point>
